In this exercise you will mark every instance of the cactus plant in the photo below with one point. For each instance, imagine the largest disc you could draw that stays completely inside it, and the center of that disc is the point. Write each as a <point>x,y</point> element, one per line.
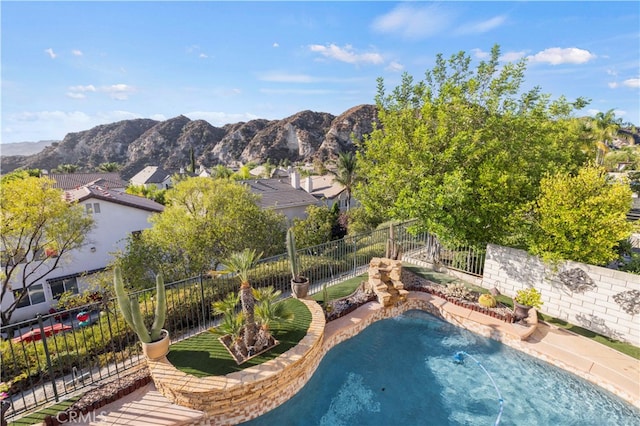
<point>486,300</point>
<point>299,284</point>
<point>131,309</point>
<point>294,262</point>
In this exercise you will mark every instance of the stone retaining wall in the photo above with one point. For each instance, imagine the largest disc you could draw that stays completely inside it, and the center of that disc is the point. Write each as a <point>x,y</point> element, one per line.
<point>599,299</point>
<point>244,395</point>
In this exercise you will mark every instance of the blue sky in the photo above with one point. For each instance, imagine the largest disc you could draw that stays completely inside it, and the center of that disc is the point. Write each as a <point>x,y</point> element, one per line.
<point>69,66</point>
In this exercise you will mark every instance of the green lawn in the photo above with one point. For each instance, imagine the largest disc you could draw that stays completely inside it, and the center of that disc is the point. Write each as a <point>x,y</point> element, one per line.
<point>430,275</point>
<point>38,416</point>
<point>204,355</point>
<point>343,289</point>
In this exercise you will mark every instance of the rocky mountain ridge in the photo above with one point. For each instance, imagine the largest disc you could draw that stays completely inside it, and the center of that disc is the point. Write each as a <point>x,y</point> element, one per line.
<point>304,136</point>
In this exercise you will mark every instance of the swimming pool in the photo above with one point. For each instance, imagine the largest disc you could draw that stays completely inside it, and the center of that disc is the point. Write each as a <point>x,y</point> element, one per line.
<point>402,371</point>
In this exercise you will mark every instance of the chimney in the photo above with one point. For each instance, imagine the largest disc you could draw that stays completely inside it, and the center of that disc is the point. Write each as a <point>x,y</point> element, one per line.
<point>295,180</point>
<point>308,184</point>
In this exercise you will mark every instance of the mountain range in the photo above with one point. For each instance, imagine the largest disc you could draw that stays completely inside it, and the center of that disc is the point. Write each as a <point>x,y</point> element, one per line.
<point>134,144</point>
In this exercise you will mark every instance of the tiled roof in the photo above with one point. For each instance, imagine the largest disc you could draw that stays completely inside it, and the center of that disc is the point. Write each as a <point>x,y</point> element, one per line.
<point>101,193</point>
<point>74,180</point>
<point>325,187</point>
<point>278,193</point>
<point>150,174</point>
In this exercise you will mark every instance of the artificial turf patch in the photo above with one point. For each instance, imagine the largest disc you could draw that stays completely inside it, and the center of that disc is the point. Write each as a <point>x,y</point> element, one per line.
<point>203,355</point>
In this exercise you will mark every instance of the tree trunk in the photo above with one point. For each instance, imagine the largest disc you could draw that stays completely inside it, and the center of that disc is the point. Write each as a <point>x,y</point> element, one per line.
<point>248,302</point>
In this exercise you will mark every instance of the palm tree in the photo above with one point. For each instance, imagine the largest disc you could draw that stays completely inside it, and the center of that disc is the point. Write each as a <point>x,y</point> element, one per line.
<point>268,310</point>
<point>232,323</point>
<point>606,127</point>
<point>241,262</point>
<point>346,173</point>
<point>109,167</point>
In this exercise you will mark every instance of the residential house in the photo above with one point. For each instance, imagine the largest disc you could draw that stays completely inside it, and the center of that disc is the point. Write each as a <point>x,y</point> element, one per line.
<point>152,176</point>
<point>66,181</point>
<point>326,189</point>
<point>116,215</point>
<point>284,196</point>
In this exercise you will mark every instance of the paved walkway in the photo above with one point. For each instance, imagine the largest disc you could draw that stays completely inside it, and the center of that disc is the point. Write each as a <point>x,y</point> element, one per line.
<point>610,369</point>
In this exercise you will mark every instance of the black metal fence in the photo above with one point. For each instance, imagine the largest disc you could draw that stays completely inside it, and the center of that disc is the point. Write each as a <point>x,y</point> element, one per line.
<point>56,355</point>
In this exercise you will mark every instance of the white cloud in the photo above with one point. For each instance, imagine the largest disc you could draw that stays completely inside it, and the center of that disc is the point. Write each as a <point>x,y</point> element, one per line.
<point>276,45</point>
<point>557,56</point>
<point>480,54</point>
<point>612,72</point>
<point>613,84</point>
<point>220,118</point>
<point>203,56</point>
<point>158,117</point>
<point>505,57</point>
<point>76,95</point>
<point>346,54</point>
<point>482,26</point>
<point>395,66</point>
<point>632,82</point>
<point>51,53</point>
<point>279,77</point>
<point>76,52</point>
<point>87,88</point>
<point>118,92</point>
<point>414,22</point>
<point>512,56</point>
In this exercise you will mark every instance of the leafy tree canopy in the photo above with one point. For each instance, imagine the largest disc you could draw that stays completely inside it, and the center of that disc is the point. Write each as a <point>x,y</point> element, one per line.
<point>464,149</point>
<point>38,227</point>
<point>316,228</point>
<point>580,217</point>
<point>203,222</point>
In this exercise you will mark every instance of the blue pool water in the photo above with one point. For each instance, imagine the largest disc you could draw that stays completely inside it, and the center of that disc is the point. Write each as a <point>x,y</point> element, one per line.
<point>401,371</point>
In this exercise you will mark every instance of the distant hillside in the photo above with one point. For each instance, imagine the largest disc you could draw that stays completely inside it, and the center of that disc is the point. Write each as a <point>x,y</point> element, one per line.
<point>23,148</point>
<point>304,136</point>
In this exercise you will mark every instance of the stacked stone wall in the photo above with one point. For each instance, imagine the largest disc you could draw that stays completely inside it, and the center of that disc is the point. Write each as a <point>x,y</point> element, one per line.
<point>599,299</point>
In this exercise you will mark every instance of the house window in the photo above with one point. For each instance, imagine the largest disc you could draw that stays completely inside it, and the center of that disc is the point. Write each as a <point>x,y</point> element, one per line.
<point>59,286</point>
<point>92,208</point>
<point>35,295</point>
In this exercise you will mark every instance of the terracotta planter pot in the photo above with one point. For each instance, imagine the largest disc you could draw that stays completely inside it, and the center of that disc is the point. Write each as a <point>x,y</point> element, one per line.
<point>300,290</point>
<point>159,349</point>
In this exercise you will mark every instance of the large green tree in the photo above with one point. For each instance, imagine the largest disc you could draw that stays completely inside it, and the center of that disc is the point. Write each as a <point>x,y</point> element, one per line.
<point>204,221</point>
<point>580,217</point>
<point>38,229</point>
<point>464,149</point>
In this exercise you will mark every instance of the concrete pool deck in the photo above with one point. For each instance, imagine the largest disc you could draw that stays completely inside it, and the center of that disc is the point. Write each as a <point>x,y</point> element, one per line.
<point>590,360</point>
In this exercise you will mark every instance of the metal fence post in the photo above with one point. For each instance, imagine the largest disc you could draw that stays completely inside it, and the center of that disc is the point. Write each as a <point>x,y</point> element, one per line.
<point>48,357</point>
<point>201,284</point>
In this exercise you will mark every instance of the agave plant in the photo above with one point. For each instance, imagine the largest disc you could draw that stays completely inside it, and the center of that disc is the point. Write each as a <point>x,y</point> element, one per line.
<point>241,262</point>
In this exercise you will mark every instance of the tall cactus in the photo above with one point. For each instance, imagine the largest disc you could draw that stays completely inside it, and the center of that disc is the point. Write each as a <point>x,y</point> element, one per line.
<point>293,256</point>
<point>131,309</point>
